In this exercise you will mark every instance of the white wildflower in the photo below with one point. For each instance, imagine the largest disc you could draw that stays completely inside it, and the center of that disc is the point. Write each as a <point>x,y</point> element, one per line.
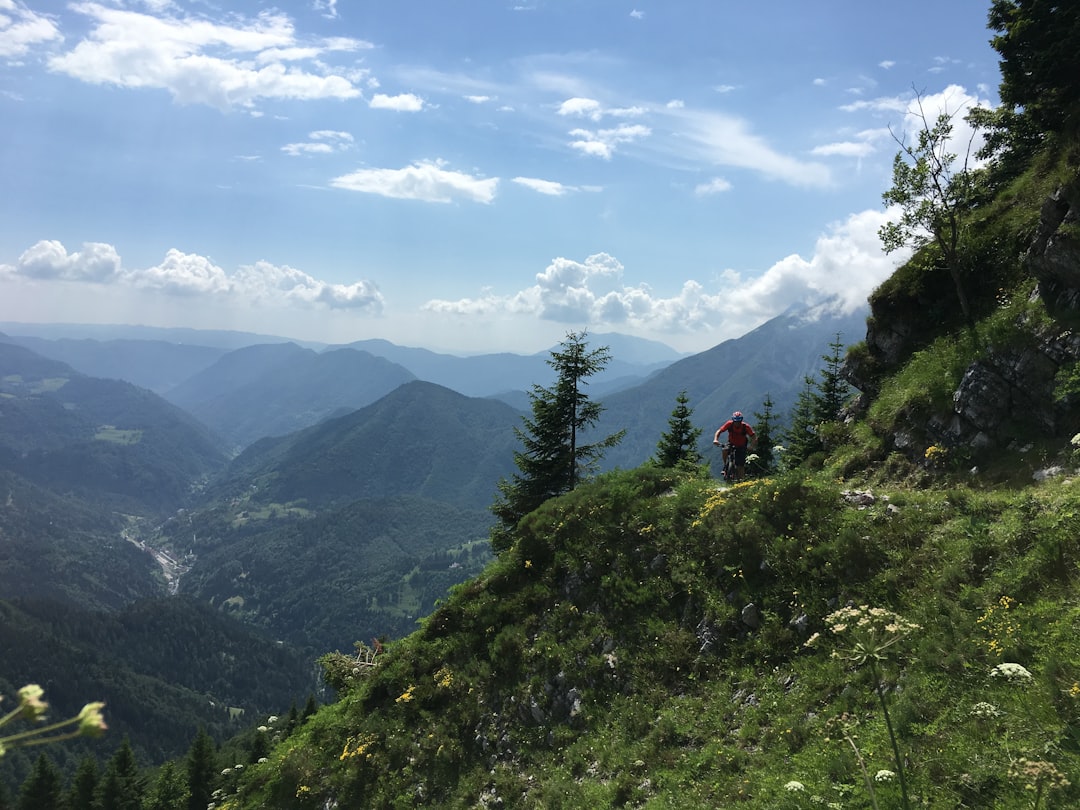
<point>1013,673</point>
<point>794,787</point>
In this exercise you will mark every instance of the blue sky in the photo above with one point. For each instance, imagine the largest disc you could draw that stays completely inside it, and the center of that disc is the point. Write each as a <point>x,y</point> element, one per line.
<point>463,175</point>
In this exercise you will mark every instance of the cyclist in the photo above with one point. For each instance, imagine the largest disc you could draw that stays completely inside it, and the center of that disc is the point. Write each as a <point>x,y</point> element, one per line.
<point>740,434</point>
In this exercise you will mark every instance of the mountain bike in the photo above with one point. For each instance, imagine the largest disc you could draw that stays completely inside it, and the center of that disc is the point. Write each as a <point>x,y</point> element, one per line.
<point>729,471</point>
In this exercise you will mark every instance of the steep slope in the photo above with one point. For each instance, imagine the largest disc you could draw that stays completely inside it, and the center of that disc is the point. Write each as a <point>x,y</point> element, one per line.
<point>272,390</point>
<point>102,440</point>
<point>163,667</point>
<point>773,359</point>
<point>645,643</point>
<point>152,364</point>
<point>421,439</point>
<point>321,582</point>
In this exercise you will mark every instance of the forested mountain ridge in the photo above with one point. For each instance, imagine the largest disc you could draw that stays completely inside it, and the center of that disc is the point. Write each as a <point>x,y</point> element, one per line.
<point>103,439</point>
<point>276,389</point>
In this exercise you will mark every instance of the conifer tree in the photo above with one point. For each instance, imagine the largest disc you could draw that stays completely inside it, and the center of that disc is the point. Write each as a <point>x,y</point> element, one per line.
<point>800,439</point>
<point>201,770</point>
<point>42,788</point>
<point>832,389</point>
<point>554,458</point>
<point>679,443</point>
<point>170,790</point>
<point>763,426</point>
<point>121,786</point>
<point>81,793</point>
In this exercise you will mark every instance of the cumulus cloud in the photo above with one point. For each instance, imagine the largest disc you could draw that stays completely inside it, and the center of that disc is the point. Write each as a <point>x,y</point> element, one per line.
<point>21,29</point>
<point>847,264</point>
<point>189,275</point>
<point>199,61</point>
<point>425,180</point>
<point>603,142</point>
<point>906,116</point>
<point>405,102</point>
<point>48,259</point>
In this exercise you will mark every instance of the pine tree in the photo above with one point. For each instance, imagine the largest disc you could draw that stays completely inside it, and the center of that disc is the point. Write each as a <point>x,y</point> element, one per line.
<point>170,790</point>
<point>680,441</point>
<point>80,795</point>
<point>201,770</point>
<point>121,786</point>
<point>42,788</point>
<point>554,459</point>
<point>763,426</point>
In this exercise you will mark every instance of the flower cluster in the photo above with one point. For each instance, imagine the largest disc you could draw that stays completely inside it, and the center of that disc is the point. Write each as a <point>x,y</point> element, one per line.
<point>936,455</point>
<point>89,722</point>
<point>1000,626</point>
<point>869,632</point>
<point>444,678</point>
<point>1037,775</point>
<point>407,695</point>
<point>985,711</point>
<point>357,747</point>
<point>1013,673</point>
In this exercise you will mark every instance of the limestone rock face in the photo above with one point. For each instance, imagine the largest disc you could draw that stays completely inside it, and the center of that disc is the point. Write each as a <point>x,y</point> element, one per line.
<point>1009,383</point>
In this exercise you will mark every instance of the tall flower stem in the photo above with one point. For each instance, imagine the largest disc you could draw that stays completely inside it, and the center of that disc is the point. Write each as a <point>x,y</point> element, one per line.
<point>892,734</point>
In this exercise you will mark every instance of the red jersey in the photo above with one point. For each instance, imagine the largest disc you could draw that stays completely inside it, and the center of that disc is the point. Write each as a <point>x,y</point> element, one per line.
<point>739,433</point>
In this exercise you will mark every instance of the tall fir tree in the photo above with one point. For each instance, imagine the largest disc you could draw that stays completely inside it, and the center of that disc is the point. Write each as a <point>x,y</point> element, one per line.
<point>680,442</point>
<point>554,459</point>
<point>764,449</point>
<point>832,389</point>
<point>42,788</point>
<point>800,439</point>
<point>83,789</point>
<point>201,770</point>
<point>170,790</point>
<point>121,786</point>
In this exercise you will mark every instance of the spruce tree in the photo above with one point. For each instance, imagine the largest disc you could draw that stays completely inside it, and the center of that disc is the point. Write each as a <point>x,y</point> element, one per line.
<point>554,459</point>
<point>170,790</point>
<point>680,441</point>
<point>800,439</point>
<point>763,427</point>
<point>832,389</point>
<point>42,788</point>
<point>201,770</point>
<point>80,795</point>
<point>121,786</point>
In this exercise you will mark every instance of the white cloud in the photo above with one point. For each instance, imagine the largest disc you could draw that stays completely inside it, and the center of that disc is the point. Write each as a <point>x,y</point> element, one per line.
<point>843,149</point>
<point>886,64</point>
<point>322,142</point>
<point>723,140</point>
<point>328,8</point>
<point>190,275</point>
<point>404,102</point>
<point>717,185</point>
<point>847,264</point>
<point>675,104</point>
<point>186,274</point>
<point>22,28</point>
<point>48,259</point>
<point>264,281</point>
<point>637,15</point>
<point>478,99</point>
<point>549,187</point>
<point>424,180</point>
<point>199,61</point>
<point>603,142</point>
<point>582,107</point>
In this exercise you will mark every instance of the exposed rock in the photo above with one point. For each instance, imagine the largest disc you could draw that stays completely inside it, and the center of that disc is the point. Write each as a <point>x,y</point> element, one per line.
<point>751,616</point>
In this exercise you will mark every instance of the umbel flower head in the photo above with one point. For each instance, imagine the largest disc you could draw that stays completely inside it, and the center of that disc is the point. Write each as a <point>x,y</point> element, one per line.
<point>867,633</point>
<point>1013,673</point>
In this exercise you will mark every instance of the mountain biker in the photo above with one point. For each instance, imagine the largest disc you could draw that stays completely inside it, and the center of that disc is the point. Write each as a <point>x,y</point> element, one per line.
<point>739,435</point>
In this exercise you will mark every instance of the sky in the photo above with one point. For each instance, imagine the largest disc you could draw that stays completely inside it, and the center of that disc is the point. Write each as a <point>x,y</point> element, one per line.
<point>463,175</point>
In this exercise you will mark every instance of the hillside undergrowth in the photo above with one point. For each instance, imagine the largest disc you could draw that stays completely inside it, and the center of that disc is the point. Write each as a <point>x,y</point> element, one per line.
<point>644,643</point>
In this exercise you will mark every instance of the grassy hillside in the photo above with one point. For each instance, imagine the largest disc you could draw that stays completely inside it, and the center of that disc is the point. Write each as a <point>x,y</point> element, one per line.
<point>646,644</point>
